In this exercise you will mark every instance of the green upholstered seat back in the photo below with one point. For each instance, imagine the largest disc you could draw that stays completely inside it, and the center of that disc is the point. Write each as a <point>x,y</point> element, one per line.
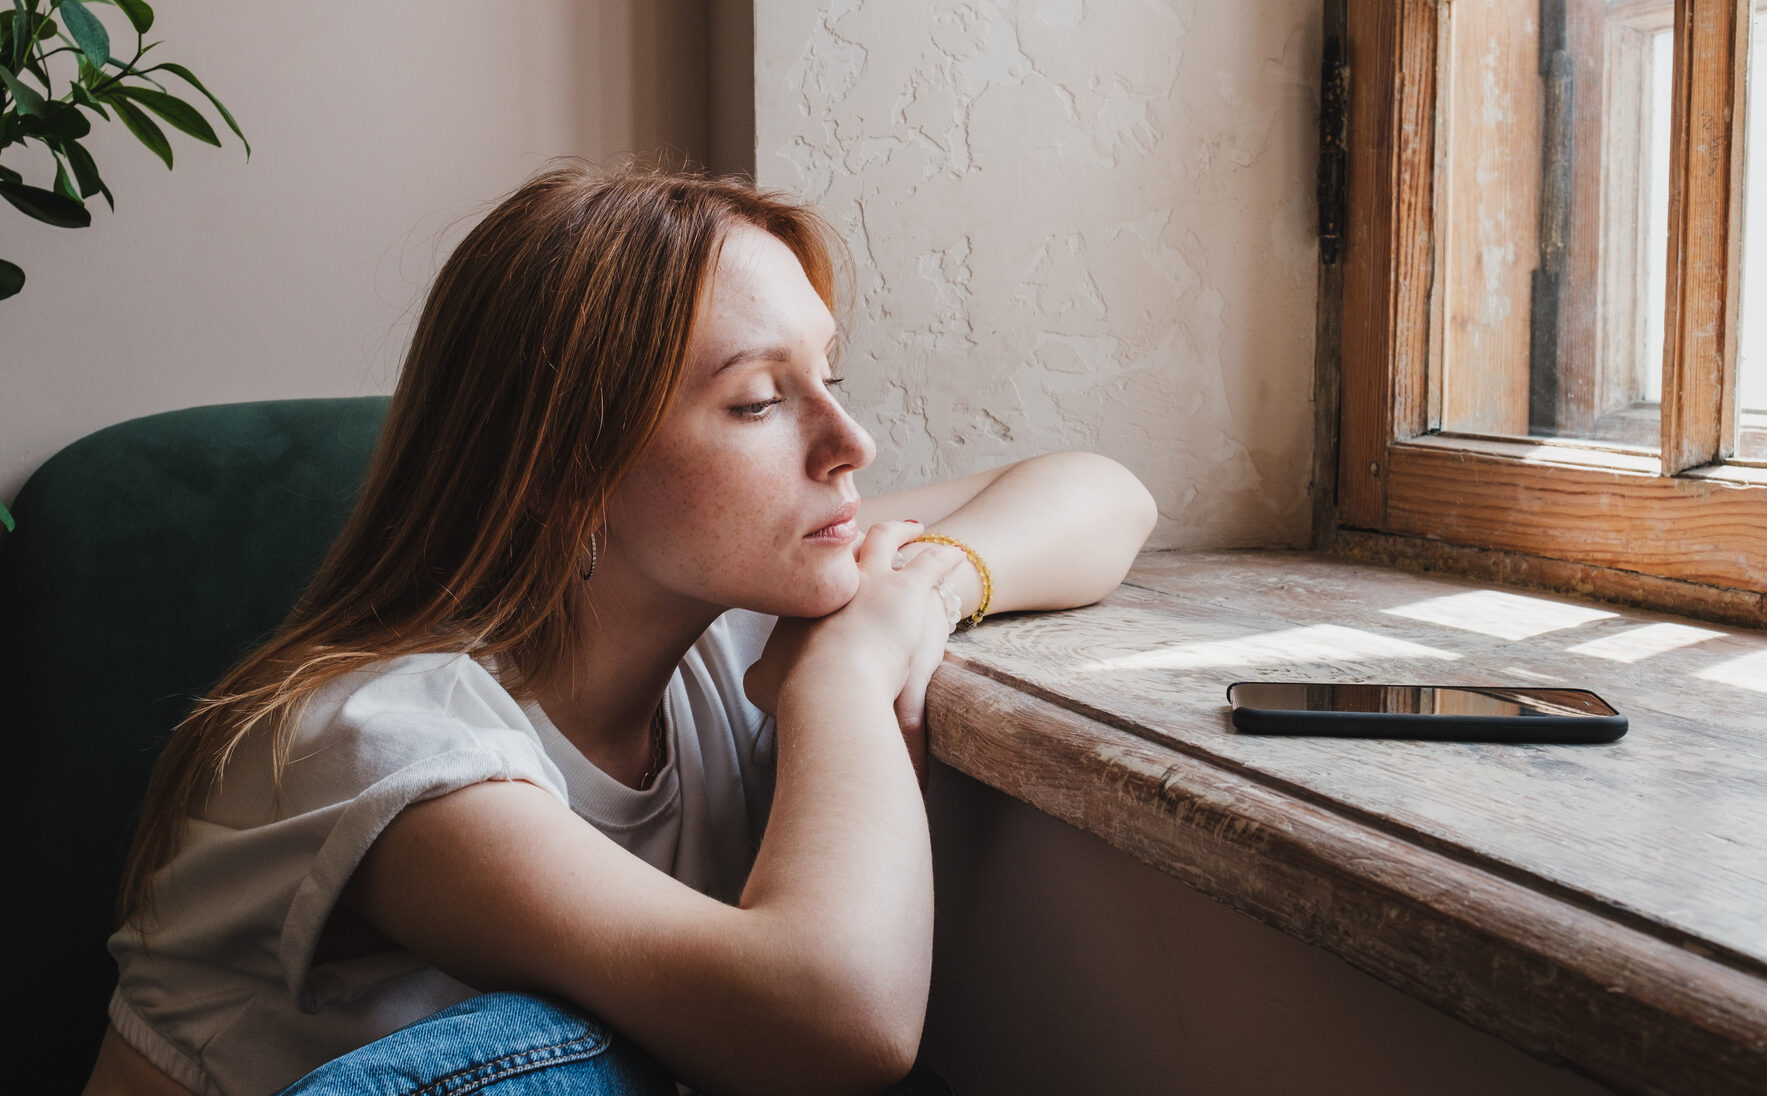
<point>148,557</point>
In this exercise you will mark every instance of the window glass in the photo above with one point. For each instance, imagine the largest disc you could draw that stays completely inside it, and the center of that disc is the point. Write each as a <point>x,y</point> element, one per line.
<point>1555,129</point>
<point>1751,364</point>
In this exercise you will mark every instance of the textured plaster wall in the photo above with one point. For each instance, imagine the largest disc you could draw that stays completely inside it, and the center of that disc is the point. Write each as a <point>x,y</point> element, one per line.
<point>1076,224</point>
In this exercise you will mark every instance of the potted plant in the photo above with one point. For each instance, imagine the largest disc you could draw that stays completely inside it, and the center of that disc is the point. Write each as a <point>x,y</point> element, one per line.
<point>56,66</point>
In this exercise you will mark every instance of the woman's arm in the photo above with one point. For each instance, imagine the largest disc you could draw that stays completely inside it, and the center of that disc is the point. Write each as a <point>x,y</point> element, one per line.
<point>1056,531</point>
<point>817,982</point>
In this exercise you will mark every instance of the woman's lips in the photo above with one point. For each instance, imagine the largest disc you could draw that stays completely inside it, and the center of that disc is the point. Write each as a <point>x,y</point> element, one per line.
<point>841,527</point>
<point>841,532</point>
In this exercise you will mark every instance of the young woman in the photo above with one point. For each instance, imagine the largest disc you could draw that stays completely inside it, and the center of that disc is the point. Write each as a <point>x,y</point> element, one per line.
<point>610,694</point>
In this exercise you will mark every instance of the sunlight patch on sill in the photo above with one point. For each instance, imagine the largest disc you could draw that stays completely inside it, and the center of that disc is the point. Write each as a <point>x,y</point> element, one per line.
<point>1636,644</point>
<point>1747,672</point>
<point>1322,644</point>
<point>1495,613</point>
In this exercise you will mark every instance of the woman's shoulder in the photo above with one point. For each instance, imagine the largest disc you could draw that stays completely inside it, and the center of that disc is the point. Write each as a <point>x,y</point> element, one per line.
<point>420,716</point>
<point>437,681</point>
<point>435,699</point>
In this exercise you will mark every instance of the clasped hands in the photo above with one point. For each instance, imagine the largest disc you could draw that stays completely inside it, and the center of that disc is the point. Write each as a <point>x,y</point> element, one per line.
<point>885,641</point>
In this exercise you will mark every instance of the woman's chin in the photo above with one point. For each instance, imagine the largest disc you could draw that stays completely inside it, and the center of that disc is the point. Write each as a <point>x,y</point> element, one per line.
<point>814,595</point>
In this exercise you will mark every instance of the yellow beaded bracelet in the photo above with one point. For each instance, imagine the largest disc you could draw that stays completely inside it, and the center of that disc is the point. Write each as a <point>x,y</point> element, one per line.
<point>975,560</point>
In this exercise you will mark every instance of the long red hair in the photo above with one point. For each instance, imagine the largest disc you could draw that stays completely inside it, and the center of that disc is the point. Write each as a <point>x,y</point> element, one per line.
<point>550,348</point>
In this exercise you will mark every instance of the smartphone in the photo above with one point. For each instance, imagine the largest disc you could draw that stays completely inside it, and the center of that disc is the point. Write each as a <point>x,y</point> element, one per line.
<point>1460,713</point>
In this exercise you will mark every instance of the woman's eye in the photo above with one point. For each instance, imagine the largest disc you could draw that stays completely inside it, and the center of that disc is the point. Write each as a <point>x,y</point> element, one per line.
<point>832,383</point>
<point>755,410</point>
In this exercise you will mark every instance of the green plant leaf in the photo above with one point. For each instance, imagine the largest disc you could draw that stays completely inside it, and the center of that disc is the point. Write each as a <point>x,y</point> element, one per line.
<point>12,279</point>
<point>46,205</point>
<point>27,98</point>
<point>21,16</point>
<point>7,175</point>
<point>140,15</point>
<point>82,96</point>
<point>86,172</point>
<point>62,121</point>
<point>190,78</point>
<point>180,114</point>
<point>64,183</point>
<point>6,280</point>
<point>142,127</point>
<point>89,34</point>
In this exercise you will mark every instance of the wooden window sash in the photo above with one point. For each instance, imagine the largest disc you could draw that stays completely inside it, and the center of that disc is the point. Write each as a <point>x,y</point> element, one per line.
<point>1391,52</point>
<point>1685,521</point>
<point>1711,52</point>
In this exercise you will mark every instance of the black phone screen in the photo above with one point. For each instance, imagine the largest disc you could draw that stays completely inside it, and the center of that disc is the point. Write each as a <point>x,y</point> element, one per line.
<point>1313,696</point>
<point>1463,712</point>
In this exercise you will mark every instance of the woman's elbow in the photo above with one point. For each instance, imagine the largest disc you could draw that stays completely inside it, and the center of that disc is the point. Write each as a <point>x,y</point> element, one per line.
<point>835,1011</point>
<point>880,1054</point>
<point>850,1044</point>
<point>1115,500</point>
<point>1116,510</point>
<point>1139,512</point>
<point>873,1018</point>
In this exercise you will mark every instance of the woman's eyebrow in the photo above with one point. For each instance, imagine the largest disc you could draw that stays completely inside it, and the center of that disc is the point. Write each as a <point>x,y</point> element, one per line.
<point>779,353</point>
<point>755,354</point>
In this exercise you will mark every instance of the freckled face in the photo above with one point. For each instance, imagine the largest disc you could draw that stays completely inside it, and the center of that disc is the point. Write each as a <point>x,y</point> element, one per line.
<point>745,498</point>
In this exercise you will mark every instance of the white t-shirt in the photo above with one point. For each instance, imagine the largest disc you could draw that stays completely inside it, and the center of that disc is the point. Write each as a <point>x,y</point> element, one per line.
<point>223,994</point>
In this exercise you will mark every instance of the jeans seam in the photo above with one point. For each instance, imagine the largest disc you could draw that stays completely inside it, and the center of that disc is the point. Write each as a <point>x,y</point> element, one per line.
<point>520,1061</point>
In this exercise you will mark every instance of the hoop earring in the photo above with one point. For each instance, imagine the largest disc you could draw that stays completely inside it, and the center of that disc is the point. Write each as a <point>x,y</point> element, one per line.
<point>588,574</point>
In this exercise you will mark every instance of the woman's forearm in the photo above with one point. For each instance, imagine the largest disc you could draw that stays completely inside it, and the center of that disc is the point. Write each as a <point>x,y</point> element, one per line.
<point>844,875</point>
<point>1055,531</point>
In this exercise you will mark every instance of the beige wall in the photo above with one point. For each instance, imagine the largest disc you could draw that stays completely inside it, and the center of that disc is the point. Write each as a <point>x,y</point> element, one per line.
<point>378,130</point>
<point>1076,226</point>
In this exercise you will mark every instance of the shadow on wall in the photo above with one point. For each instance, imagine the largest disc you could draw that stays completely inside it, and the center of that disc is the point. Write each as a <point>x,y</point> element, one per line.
<point>670,78</point>
<point>1062,965</point>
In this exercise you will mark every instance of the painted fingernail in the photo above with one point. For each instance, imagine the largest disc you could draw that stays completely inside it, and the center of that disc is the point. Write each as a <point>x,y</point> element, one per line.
<point>912,521</point>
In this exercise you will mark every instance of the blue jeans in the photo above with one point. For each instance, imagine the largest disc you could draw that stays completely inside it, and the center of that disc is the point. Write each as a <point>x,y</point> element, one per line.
<point>511,1044</point>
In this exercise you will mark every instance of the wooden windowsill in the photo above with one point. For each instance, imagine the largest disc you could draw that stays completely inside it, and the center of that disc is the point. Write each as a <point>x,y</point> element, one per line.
<point>1599,906</point>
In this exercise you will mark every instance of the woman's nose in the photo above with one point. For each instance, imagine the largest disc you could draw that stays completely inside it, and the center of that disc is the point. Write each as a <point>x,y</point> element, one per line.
<point>841,444</point>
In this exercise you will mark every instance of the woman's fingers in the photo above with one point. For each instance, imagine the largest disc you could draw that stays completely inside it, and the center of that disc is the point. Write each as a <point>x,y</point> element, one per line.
<point>892,544</point>
<point>935,562</point>
<point>910,706</point>
<point>884,540</point>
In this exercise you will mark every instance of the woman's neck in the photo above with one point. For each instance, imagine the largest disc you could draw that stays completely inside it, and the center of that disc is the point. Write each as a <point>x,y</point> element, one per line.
<point>626,649</point>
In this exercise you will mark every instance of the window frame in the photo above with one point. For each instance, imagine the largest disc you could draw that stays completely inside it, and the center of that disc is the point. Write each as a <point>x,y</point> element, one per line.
<point>1684,530</point>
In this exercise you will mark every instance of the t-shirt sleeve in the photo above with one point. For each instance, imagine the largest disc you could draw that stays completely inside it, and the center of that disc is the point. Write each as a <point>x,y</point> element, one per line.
<point>362,754</point>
